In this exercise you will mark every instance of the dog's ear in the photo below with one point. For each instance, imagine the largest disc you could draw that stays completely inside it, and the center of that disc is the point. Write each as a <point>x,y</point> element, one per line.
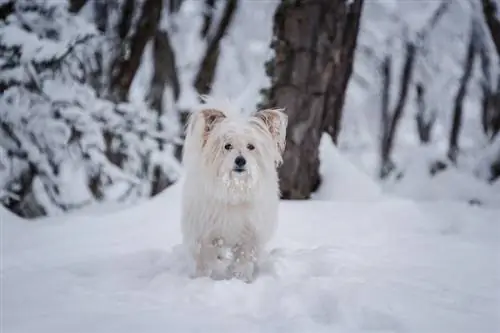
<point>276,122</point>
<point>211,117</point>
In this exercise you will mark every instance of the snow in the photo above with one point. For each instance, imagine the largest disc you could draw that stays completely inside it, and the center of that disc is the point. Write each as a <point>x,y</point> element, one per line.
<point>418,254</point>
<point>343,181</point>
<point>335,265</point>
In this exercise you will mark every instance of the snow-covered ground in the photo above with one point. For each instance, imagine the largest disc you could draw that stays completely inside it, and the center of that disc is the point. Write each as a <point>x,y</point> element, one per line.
<point>411,255</point>
<point>362,262</point>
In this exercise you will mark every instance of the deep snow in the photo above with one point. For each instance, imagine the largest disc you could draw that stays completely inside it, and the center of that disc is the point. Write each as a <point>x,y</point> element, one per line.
<point>359,263</point>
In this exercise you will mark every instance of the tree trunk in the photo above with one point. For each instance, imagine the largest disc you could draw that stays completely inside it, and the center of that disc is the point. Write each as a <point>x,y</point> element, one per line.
<point>164,72</point>
<point>392,120</point>
<point>385,115</point>
<point>344,46</point>
<point>206,73</point>
<point>128,59</point>
<point>208,16</point>
<point>456,125</point>
<point>313,42</point>
<point>164,77</point>
<point>174,6</point>
<point>491,98</point>
<point>490,14</point>
<point>76,5</point>
<point>424,120</point>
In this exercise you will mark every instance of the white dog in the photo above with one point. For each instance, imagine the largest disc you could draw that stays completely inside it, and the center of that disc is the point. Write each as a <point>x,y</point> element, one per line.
<point>231,189</point>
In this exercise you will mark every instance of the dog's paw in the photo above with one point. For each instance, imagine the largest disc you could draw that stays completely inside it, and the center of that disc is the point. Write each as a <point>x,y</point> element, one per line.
<point>200,272</point>
<point>245,271</point>
<point>218,242</point>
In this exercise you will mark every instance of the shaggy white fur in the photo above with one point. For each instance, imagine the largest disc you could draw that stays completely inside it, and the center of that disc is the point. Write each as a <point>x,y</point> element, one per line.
<point>231,191</point>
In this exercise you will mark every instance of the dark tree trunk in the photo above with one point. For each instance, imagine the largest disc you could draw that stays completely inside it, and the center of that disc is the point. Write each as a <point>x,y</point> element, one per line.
<point>459,98</point>
<point>164,75</point>
<point>344,46</point>
<point>76,5</point>
<point>127,61</point>
<point>490,14</point>
<point>491,103</point>
<point>6,9</point>
<point>25,203</point>
<point>386,71</point>
<point>424,121</point>
<point>164,72</point>
<point>313,42</point>
<point>160,181</point>
<point>491,98</point>
<point>206,73</point>
<point>208,16</point>
<point>174,6</point>
<point>101,12</point>
<point>392,120</point>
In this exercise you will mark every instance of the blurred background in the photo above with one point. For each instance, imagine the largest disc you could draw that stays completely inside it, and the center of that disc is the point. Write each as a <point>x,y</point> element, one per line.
<point>94,95</point>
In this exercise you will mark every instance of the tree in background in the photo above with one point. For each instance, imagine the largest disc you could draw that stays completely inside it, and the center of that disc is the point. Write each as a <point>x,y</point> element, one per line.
<point>314,43</point>
<point>414,55</point>
<point>64,144</point>
<point>66,113</point>
<point>491,85</point>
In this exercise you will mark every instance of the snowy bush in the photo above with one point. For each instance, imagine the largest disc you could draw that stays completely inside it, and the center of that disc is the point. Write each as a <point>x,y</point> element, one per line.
<point>61,145</point>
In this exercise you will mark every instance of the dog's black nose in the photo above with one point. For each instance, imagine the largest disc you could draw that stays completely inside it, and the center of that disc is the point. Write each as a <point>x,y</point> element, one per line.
<point>240,161</point>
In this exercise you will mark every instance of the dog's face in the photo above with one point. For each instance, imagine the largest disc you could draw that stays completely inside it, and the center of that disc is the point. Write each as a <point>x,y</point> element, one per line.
<point>237,154</point>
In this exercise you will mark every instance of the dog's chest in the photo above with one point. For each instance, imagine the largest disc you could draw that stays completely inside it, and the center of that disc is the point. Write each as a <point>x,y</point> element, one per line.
<point>232,220</point>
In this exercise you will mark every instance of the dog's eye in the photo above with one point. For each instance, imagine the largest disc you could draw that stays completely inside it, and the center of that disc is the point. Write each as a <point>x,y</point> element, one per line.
<point>250,146</point>
<point>228,146</point>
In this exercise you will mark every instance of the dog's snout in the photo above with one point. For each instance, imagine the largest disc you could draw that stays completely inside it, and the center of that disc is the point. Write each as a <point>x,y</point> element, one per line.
<point>240,161</point>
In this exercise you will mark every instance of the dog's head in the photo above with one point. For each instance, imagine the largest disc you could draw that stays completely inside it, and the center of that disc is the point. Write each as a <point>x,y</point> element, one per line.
<point>233,153</point>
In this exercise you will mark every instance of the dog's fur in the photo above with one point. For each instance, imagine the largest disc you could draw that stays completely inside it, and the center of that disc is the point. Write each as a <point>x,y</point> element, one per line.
<point>229,216</point>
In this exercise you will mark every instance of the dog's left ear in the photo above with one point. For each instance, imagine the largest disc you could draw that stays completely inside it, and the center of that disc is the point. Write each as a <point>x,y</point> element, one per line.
<point>276,122</point>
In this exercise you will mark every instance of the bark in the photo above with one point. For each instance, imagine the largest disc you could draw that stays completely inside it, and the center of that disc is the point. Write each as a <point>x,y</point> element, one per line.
<point>490,115</point>
<point>101,12</point>
<point>491,98</point>
<point>127,14</point>
<point>392,120</point>
<point>164,77</point>
<point>424,123</point>
<point>344,46</point>
<point>76,5</point>
<point>25,203</point>
<point>160,181</point>
<point>6,9</point>
<point>387,165</point>
<point>491,104</point>
<point>490,14</point>
<point>459,98</point>
<point>164,72</point>
<point>206,73</point>
<point>128,59</point>
<point>207,17</point>
<point>313,44</point>
<point>174,6</point>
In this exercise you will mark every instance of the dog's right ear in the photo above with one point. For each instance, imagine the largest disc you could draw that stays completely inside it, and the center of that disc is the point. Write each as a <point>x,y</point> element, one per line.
<point>211,118</point>
<point>203,122</point>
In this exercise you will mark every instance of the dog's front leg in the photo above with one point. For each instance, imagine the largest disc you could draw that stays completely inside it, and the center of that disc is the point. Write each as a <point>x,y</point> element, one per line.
<point>213,258</point>
<point>246,256</point>
<point>203,256</point>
